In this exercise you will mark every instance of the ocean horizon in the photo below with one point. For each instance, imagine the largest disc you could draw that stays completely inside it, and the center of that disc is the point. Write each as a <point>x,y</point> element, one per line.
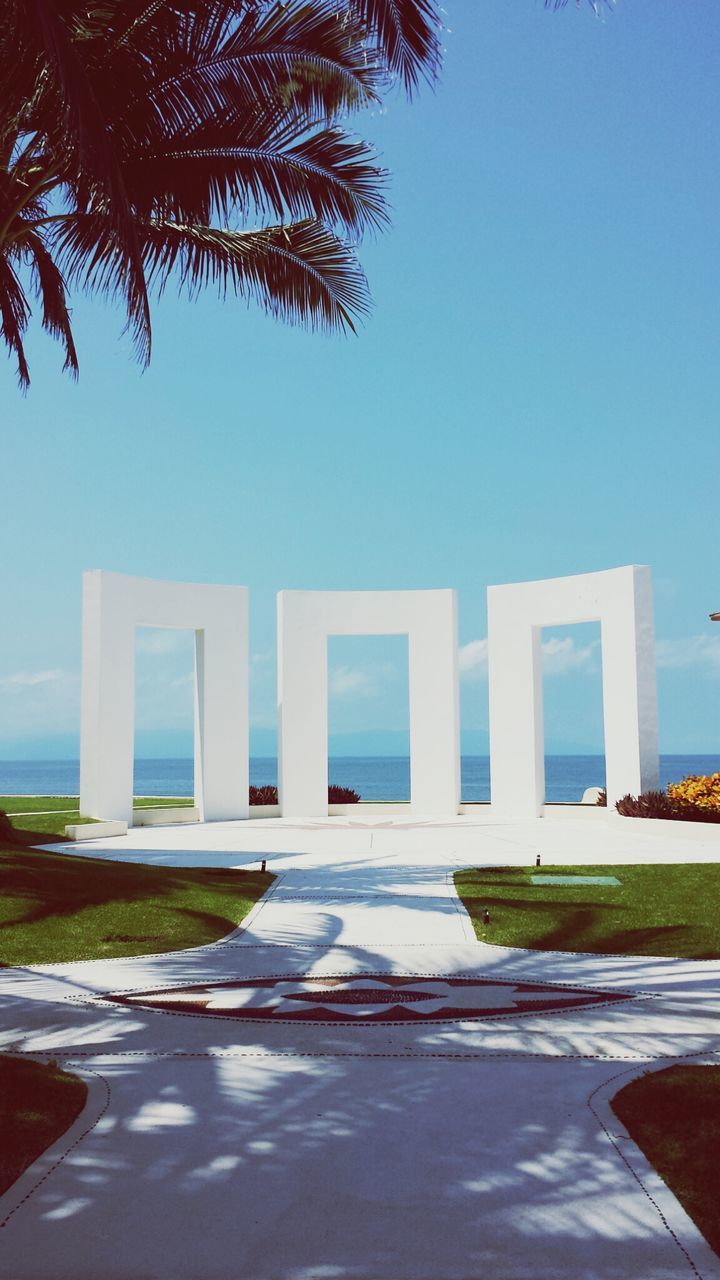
<point>374,777</point>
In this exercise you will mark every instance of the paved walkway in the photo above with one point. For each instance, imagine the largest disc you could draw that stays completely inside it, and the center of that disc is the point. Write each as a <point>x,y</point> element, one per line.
<point>352,1086</point>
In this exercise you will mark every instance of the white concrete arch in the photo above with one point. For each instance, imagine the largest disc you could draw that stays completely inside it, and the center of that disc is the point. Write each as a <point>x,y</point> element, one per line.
<point>114,604</point>
<point>305,620</point>
<point>621,600</point>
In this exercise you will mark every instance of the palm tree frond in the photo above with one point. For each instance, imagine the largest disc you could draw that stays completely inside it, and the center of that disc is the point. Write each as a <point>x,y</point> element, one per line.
<point>594,4</point>
<point>407,32</point>
<point>328,176</point>
<point>51,288</point>
<point>87,254</point>
<point>80,131</point>
<point>300,273</point>
<point>296,55</point>
<point>14,317</point>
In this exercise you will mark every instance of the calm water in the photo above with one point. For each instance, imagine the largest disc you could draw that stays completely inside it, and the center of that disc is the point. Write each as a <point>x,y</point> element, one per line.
<point>376,778</point>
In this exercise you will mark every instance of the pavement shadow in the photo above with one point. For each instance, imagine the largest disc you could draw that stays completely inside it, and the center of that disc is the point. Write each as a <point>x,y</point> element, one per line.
<point>344,1168</point>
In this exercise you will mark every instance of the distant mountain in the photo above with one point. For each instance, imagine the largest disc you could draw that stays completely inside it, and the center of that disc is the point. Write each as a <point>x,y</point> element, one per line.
<point>56,746</point>
<point>175,745</point>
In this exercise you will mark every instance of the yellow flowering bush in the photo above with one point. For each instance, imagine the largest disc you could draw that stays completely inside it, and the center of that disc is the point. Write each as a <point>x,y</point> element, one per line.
<point>704,792</point>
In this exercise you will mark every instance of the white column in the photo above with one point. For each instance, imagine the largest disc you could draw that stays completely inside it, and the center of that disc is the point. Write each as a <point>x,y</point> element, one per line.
<point>302,708</point>
<point>108,702</point>
<point>222,675</point>
<point>629,690</point>
<point>517,752</point>
<point>199,724</point>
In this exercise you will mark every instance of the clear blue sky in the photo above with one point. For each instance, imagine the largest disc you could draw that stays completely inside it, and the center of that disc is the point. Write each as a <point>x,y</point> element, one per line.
<point>536,393</point>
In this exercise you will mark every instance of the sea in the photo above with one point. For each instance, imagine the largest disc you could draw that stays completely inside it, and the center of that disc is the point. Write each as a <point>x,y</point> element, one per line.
<point>374,777</point>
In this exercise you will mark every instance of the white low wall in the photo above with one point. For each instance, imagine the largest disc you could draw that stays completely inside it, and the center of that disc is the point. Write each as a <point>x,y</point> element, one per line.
<point>165,817</point>
<point>401,809</point>
<point>95,830</point>
<point>366,809</point>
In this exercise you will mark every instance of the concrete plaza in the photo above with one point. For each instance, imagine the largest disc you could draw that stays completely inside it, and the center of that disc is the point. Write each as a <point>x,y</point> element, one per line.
<point>354,1087</point>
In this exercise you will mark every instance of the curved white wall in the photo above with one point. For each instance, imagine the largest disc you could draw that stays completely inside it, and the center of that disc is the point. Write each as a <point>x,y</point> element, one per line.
<point>115,604</point>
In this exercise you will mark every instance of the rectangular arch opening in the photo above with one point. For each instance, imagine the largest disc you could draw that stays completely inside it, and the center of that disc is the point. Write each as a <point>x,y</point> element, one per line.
<point>572,711</point>
<point>368,716</point>
<point>164,714</point>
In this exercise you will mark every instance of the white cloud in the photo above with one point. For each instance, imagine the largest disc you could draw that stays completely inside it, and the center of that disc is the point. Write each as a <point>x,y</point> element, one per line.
<point>473,659</point>
<point>162,640</point>
<point>27,679</point>
<point>39,702</point>
<point>357,681</point>
<point>560,654</point>
<point>690,651</point>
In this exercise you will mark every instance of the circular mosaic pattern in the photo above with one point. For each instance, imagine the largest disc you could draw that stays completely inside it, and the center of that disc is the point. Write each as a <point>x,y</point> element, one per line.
<point>367,998</point>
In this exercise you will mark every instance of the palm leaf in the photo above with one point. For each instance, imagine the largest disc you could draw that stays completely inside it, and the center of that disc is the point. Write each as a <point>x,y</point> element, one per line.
<point>14,317</point>
<point>300,273</point>
<point>407,34</point>
<point>87,254</point>
<point>594,4</point>
<point>295,54</point>
<point>83,144</point>
<point>51,289</point>
<point>327,176</point>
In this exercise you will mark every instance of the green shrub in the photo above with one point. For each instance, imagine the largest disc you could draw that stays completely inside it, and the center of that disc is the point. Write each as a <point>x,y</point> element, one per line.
<point>342,795</point>
<point>263,795</point>
<point>658,804</point>
<point>650,804</point>
<point>336,795</point>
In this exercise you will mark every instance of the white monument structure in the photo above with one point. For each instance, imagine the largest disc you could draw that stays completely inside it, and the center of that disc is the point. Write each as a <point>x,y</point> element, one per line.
<point>115,604</point>
<point>621,599</point>
<point>429,619</point>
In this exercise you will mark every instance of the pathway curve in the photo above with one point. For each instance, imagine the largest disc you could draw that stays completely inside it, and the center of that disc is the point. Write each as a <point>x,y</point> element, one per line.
<point>351,1086</point>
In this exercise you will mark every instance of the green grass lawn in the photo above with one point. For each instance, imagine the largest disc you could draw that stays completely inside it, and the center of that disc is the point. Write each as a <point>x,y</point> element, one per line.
<point>162,802</point>
<point>39,804</point>
<point>674,1117</point>
<point>660,911</point>
<point>50,826</point>
<point>49,815</point>
<point>37,1104</point>
<point>56,907</point>
<point>69,804</point>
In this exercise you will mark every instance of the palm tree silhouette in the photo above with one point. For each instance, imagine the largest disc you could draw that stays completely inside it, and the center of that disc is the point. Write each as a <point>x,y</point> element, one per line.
<point>195,139</point>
